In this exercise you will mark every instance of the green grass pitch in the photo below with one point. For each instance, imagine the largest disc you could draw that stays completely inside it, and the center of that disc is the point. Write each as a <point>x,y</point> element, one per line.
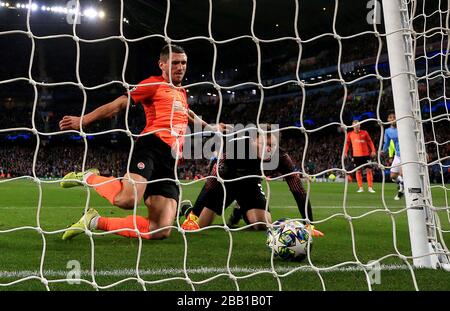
<point>162,262</point>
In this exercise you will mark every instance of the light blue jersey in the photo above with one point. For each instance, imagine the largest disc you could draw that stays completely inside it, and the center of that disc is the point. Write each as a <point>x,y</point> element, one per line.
<point>391,133</point>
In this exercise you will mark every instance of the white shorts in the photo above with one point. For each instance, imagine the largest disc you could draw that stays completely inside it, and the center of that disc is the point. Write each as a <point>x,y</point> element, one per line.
<point>397,161</point>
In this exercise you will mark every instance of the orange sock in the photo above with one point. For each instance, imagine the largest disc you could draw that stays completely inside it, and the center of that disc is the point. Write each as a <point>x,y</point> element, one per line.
<point>359,178</point>
<point>110,224</point>
<point>109,190</point>
<point>369,177</point>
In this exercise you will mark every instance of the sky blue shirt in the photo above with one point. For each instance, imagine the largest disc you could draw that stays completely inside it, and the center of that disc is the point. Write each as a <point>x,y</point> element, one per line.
<point>391,133</point>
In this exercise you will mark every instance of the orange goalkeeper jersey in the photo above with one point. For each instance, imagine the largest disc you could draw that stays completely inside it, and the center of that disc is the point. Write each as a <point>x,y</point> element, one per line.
<point>165,108</point>
<point>361,142</point>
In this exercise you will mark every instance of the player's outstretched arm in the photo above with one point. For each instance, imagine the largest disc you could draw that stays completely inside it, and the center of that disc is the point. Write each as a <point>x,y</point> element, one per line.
<point>106,111</point>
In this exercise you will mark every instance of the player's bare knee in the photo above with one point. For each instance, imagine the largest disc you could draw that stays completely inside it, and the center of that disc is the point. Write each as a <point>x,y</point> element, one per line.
<point>259,227</point>
<point>165,233</point>
<point>162,235</point>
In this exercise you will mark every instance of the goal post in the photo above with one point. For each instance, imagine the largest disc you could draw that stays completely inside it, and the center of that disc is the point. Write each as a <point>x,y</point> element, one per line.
<point>426,249</point>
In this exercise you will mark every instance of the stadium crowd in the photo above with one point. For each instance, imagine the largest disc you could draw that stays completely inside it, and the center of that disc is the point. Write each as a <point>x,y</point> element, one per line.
<point>323,153</point>
<point>317,107</point>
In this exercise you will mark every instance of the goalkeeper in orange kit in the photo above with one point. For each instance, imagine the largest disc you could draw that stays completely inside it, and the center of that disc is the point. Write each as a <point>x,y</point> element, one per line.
<point>362,150</point>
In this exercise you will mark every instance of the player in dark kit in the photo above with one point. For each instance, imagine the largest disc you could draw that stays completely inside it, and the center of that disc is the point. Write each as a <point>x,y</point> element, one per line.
<point>285,167</point>
<point>248,191</point>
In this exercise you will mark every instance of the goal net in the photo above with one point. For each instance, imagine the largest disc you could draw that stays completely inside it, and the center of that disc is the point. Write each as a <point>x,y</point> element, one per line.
<point>307,69</point>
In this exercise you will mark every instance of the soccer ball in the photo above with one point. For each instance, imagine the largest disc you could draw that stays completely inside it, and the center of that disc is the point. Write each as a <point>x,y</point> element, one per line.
<point>288,239</point>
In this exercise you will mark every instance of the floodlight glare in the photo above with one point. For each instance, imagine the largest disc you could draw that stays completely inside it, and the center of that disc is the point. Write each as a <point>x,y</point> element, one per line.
<point>90,12</point>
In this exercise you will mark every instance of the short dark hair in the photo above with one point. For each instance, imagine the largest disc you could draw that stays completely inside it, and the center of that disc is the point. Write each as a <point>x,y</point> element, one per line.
<point>391,112</point>
<point>165,51</point>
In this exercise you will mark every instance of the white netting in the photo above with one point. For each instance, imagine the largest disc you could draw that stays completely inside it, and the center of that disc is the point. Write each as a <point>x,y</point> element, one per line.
<point>424,24</point>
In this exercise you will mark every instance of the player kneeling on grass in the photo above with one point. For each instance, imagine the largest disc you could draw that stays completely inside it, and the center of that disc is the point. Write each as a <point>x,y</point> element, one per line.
<point>247,192</point>
<point>166,109</point>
